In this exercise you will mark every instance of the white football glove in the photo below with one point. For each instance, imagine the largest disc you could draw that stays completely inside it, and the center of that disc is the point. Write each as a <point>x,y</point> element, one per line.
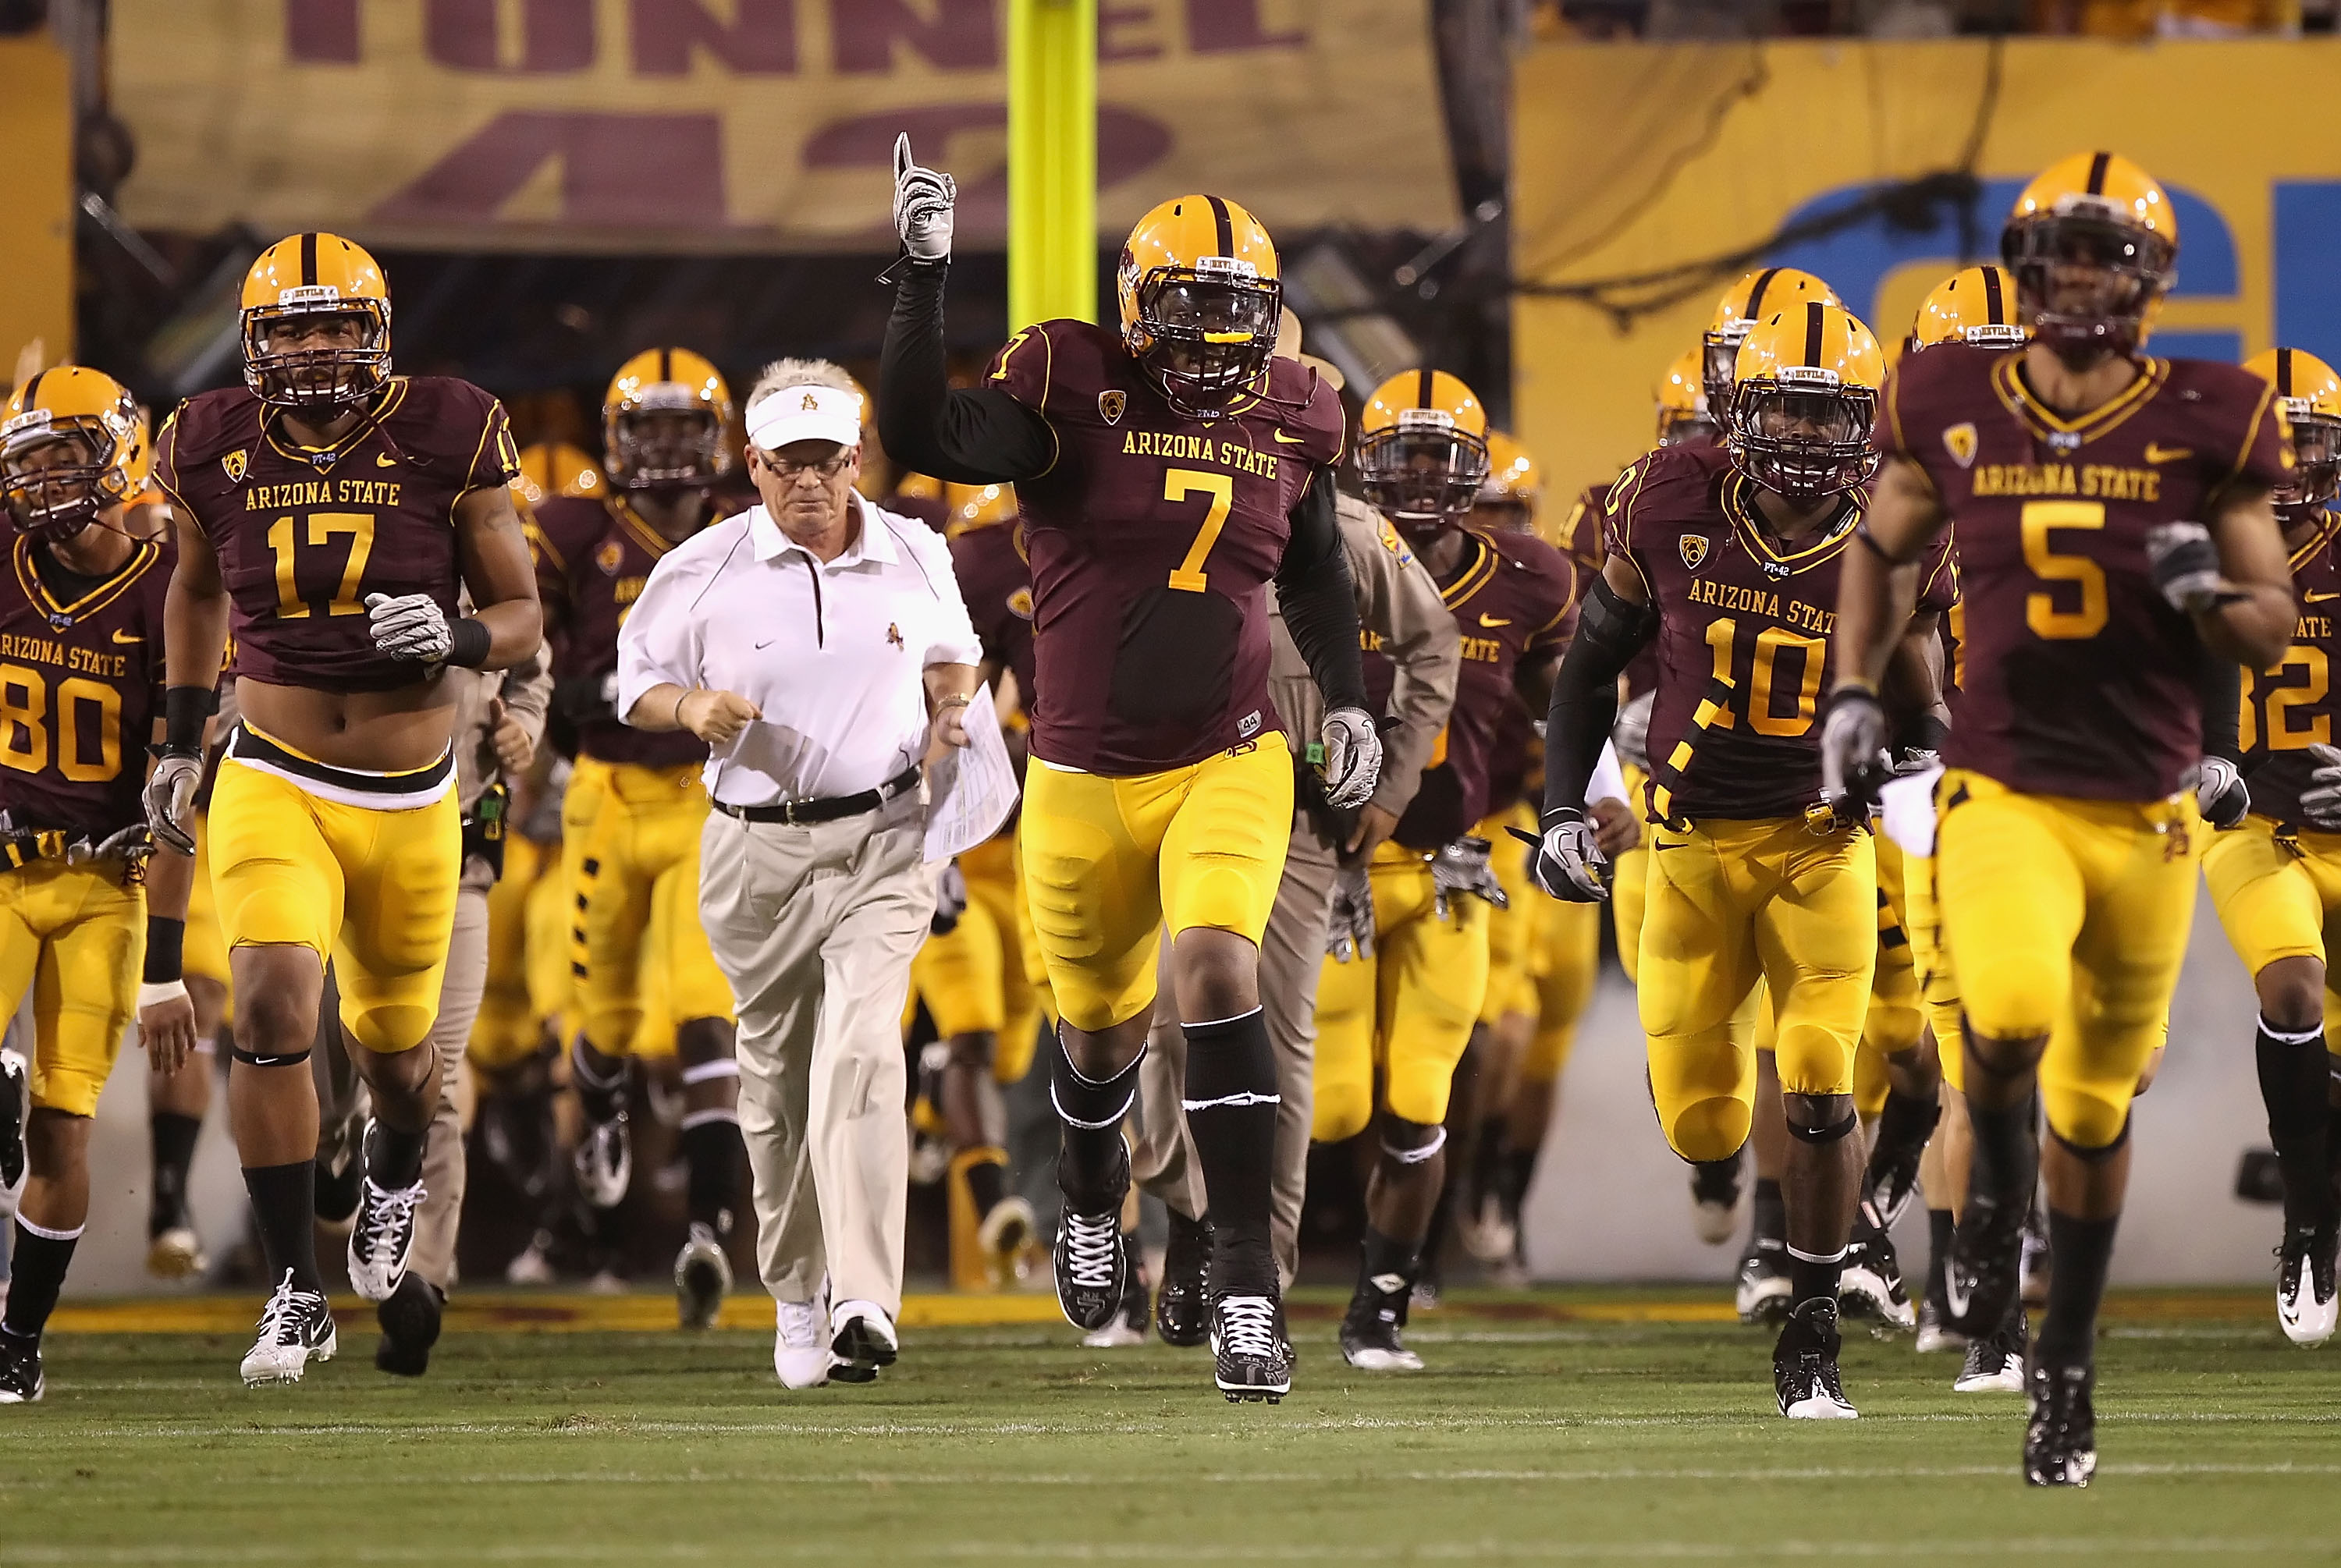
<point>2220,793</point>
<point>1461,868</point>
<point>1353,758</point>
<point>923,200</point>
<point>411,626</point>
<point>1853,757</point>
<point>1567,862</point>
<point>130,843</point>
<point>951,900</point>
<point>2321,801</point>
<point>2185,565</point>
<point>170,799</point>
<point>1350,923</point>
<point>1631,734</point>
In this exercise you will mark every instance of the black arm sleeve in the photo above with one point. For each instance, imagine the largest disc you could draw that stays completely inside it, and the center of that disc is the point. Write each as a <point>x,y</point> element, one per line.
<point>1319,600</point>
<point>2221,690</point>
<point>976,436</point>
<point>1610,632</point>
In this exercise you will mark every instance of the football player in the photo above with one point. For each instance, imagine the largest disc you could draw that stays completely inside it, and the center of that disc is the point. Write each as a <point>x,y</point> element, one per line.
<point>329,512</point>
<point>630,817</point>
<point>89,923</point>
<point>1729,557</point>
<point>2116,535</point>
<point>1166,470</point>
<point>1409,1007</point>
<point>2276,880</point>
<point>972,977</point>
<point>1756,297</point>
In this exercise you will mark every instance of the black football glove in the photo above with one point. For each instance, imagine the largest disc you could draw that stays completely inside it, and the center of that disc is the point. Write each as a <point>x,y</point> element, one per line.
<point>2220,794</point>
<point>1566,861</point>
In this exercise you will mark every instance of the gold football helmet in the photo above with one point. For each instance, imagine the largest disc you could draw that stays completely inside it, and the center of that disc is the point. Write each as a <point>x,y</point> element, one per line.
<point>552,468</point>
<point>316,325</point>
<point>72,444</point>
<point>1758,297</point>
<point>2092,243</point>
<point>1514,487</point>
<point>1804,401</point>
<point>1685,415</point>
<point>1422,449</point>
<point>2309,393</point>
<point>1976,305</point>
<point>1200,299</point>
<point>974,506</point>
<point>663,422</point>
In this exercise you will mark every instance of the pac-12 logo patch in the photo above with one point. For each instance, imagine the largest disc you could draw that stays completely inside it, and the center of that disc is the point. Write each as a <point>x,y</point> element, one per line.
<point>610,557</point>
<point>1959,441</point>
<point>234,463</point>
<point>1694,549</point>
<point>1110,404</point>
<point>1020,604</point>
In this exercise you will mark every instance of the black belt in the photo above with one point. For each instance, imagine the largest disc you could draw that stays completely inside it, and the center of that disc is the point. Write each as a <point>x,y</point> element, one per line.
<point>798,813</point>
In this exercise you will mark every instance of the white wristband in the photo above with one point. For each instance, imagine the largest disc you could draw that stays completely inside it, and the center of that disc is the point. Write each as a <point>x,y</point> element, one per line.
<point>169,991</point>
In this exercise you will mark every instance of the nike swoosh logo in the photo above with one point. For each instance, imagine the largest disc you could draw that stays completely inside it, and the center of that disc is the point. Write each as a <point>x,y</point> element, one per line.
<point>1662,844</point>
<point>766,643</point>
<point>1288,439</point>
<point>125,637</point>
<point>2319,598</point>
<point>1957,1294</point>
<point>383,460</point>
<point>1489,620</point>
<point>2154,454</point>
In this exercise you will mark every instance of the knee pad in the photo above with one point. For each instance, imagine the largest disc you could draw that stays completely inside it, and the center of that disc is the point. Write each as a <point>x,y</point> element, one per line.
<point>1710,1129</point>
<point>1341,1111</point>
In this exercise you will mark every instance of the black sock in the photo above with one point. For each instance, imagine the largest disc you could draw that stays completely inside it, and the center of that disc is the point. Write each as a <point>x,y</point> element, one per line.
<point>394,1156</point>
<point>600,1081</point>
<point>711,1153</point>
<point>1487,1159</point>
<point>1905,1124</point>
<point>2006,1154</point>
<point>986,1184</point>
<point>2084,1250</point>
<point>1814,1277</point>
<point>1230,1103</point>
<point>1092,1164</point>
<point>1939,1247</point>
<point>284,1212</point>
<point>1770,1211</point>
<point>172,1138</point>
<point>2293,1078</point>
<point>37,1261</point>
<point>1386,1265</point>
<point>1512,1177</point>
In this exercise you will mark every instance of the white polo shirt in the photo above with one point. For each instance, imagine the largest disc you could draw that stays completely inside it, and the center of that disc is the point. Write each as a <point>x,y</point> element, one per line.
<point>832,651</point>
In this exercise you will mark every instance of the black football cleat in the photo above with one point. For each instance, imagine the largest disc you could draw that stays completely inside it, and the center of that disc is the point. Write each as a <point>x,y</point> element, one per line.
<point>1182,1308</point>
<point>13,1102</point>
<point>1129,1325</point>
<point>1764,1291</point>
<point>2060,1440</point>
<point>1373,1329</point>
<point>1714,1199</point>
<point>20,1369</point>
<point>410,1327</point>
<point>1088,1259</point>
<point>1805,1373</point>
<point>1252,1352</point>
<point>1982,1278</point>
<point>1870,1285</point>
<point>1995,1364</point>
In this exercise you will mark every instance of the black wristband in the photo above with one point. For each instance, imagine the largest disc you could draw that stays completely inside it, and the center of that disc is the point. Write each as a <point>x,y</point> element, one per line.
<point>467,643</point>
<point>166,937</point>
<point>185,709</point>
<point>1923,732</point>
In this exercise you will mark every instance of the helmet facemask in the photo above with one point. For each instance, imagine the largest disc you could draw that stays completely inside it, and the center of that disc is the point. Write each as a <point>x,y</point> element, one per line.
<point>316,354</point>
<point>1688,427</point>
<point>2316,477</point>
<point>657,445</point>
<point>1719,355</point>
<point>1803,434</point>
<point>1204,333</point>
<point>57,473</point>
<point>1424,472</point>
<point>2088,278</point>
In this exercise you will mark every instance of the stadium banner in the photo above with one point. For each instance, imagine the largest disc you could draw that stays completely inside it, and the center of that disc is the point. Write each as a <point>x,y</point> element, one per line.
<point>1635,162</point>
<point>37,221</point>
<point>697,126</point>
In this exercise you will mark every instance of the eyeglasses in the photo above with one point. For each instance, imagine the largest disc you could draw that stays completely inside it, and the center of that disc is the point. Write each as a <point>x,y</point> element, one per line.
<point>786,471</point>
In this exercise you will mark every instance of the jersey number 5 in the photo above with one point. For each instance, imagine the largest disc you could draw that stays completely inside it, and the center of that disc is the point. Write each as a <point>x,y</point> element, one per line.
<point>324,527</point>
<point>1178,484</point>
<point>2040,611</point>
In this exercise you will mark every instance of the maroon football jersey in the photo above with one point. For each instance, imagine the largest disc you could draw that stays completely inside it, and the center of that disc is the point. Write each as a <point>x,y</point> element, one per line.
<point>81,685</point>
<point>304,537</point>
<point>592,558</point>
<point>2290,708</point>
<point>1514,599</point>
<point>2076,676</point>
<point>1153,539</point>
<point>1743,638</point>
<point>1512,754</point>
<point>998,588</point>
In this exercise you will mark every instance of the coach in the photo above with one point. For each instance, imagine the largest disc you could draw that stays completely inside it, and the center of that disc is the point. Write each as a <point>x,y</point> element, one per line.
<point>819,645</point>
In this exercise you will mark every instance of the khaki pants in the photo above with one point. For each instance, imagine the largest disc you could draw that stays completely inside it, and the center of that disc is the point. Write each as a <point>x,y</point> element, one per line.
<point>1291,955</point>
<point>341,1094</point>
<point>815,927</point>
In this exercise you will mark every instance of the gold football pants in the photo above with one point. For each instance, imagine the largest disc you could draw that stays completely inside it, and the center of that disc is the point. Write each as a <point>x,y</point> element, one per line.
<point>972,977</point>
<point>76,936</point>
<point>1109,862</point>
<point>1564,971</point>
<point>2055,909</point>
<point>2280,897</point>
<point>1512,931</point>
<point>1731,903</point>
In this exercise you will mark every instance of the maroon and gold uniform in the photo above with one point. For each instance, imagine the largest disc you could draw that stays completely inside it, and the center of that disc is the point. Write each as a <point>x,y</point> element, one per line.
<point>360,868</point>
<point>2068,832</point>
<point>80,679</point>
<point>632,816</point>
<point>1161,786</point>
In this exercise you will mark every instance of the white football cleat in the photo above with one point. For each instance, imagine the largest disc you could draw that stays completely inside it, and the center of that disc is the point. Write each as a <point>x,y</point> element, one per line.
<point>2307,1303</point>
<point>296,1327</point>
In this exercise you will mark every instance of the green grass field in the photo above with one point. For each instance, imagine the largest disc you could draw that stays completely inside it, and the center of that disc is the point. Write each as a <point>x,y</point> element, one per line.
<point>1550,1427</point>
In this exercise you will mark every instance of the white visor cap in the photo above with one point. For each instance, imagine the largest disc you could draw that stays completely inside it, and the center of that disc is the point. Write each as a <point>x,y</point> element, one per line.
<point>793,414</point>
